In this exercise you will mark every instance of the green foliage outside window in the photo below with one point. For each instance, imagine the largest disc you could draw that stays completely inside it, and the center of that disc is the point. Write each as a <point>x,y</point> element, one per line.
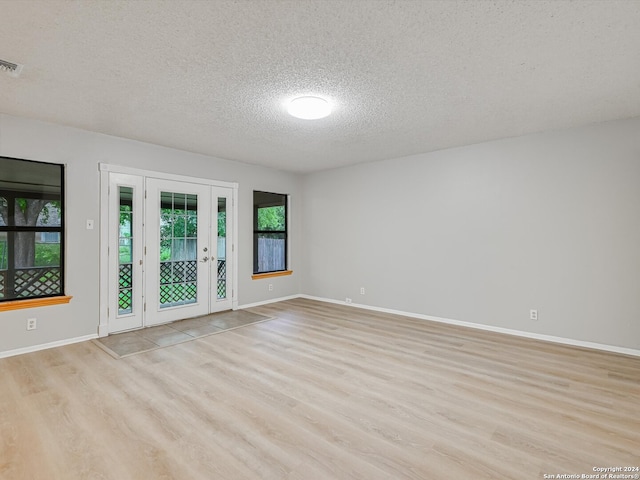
<point>125,233</point>
<point>222,224</point>
<point>182,224</point>
<point>45,254</point>
<point>271,218</point>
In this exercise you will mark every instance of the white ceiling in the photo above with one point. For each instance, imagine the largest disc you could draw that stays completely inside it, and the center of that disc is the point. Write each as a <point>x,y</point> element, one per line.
<point>404,76</point>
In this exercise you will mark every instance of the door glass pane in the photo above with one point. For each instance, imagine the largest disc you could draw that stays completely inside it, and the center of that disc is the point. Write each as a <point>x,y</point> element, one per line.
<point>125,251</point>
<point>222,249</point>
<point>178,249</point>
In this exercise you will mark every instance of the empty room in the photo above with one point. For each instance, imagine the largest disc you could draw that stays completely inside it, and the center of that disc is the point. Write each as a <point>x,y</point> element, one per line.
<point>319,239</point>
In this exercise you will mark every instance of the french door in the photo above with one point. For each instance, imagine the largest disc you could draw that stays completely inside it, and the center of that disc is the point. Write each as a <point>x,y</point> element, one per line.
<point>168,245</point>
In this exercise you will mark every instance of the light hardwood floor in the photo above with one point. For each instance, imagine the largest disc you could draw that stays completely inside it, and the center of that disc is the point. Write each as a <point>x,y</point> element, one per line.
<point>321,392</point>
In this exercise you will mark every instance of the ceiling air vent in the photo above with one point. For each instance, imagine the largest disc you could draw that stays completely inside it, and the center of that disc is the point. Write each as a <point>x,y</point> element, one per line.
<point>12,69</point>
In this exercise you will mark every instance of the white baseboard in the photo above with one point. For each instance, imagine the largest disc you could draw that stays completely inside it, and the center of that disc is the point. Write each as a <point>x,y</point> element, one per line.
<point>103,330</point>
<point>45,346</point>
<point>489,328</point>
<point>266,302</point>
<point>477,326</point>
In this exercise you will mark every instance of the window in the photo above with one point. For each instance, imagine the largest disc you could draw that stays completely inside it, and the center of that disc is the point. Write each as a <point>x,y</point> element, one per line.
<point>269,232</point>
<point>31,229</point>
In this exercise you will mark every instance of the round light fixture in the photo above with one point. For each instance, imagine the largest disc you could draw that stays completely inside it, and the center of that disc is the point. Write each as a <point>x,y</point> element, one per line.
<point>309,108</point>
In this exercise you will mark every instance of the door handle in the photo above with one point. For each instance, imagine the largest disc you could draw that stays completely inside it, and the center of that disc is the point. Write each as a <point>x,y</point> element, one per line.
<point>204,259</point>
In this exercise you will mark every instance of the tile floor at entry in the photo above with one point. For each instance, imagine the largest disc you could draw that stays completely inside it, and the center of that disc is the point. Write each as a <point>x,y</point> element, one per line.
<point>124,344</point>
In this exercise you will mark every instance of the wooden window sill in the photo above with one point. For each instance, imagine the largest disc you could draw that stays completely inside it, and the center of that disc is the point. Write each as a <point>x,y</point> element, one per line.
<point>258,276</point>
<point>33,303</point>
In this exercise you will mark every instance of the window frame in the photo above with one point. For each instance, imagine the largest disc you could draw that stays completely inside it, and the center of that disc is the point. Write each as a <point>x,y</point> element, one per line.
<point>270,273</point>
<point>13,302</point>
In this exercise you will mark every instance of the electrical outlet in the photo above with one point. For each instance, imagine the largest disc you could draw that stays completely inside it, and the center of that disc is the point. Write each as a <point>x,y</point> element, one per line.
<point>32,323</point>
<point>347,300</point>
<point>533,315</point>
<point>271,287</point>
<point>361,290</point>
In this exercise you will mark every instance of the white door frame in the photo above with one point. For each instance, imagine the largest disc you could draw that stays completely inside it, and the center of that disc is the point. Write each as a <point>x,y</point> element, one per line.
<point>105,169</point>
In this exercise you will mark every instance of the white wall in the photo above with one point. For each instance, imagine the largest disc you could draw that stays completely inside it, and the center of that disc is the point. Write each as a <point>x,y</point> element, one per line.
<point>82,151</point>
<point>487,232</point>
<point>479,234</point>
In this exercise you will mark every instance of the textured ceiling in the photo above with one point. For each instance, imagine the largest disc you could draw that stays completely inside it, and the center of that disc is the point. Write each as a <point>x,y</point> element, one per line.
<point>404,76</point>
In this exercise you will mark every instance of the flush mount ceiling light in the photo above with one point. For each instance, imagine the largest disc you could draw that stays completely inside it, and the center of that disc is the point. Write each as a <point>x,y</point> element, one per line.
<point>309,108</point>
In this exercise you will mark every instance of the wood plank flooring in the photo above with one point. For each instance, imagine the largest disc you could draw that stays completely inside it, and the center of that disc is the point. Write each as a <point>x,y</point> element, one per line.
<point>321,392</point>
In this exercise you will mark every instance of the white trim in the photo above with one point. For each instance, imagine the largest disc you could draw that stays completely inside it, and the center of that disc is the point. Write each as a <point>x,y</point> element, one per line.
<point>107,167</point>
<point>273,300</point>
<point>103,330</point>
<point>326,300</point>
<point>45,346</point>
<point>103,325</point>
<point>489,328</point>
<point>507,331</point>
<point>234,248</point>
